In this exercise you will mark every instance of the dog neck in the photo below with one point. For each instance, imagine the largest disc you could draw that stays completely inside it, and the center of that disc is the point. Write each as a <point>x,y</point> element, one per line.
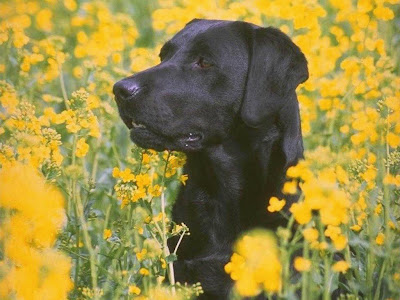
<point>243,173</point>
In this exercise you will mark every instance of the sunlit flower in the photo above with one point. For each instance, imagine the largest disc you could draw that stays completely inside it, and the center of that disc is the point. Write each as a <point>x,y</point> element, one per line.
<point>255,265</point>
<point>107,233</point>
<point>133,289</point>
<point>341,266</point>
<point>380,239</point>
<point>81,148</point>
<point>302,264</point>
<point>275,204</point>
<point>144,272</point>
<point>29,230</point>
<point>310,234</point>
<point>301,212</point>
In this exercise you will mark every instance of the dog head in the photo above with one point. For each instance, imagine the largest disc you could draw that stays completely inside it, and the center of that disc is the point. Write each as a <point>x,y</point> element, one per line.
<point>212,75</point>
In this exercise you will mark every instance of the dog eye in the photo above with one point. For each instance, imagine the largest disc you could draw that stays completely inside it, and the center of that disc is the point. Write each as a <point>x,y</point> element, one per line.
<point>204,64</point>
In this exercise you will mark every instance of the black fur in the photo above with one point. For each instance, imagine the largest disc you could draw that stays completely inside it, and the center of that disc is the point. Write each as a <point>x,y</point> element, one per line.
<point>224,93</point>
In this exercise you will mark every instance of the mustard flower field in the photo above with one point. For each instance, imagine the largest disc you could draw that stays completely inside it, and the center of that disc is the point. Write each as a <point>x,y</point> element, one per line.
<point>85,213</point>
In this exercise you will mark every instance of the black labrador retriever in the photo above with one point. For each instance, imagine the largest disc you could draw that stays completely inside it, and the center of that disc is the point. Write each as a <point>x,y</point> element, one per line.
<point>224,93</point>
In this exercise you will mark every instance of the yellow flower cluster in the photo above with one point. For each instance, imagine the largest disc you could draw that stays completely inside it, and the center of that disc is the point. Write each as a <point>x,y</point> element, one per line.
<point>302,264</point>
<point>321,193</point>
<point>31,268</point>
<point>31,139</point>
<point>131,187</point>
<point>79,117</point>
<point>81,148</point>
<point>175,162</point>
<point>275,204</point>
<point>110,34</point>
<point>255,265</point>
<point>341,266</point>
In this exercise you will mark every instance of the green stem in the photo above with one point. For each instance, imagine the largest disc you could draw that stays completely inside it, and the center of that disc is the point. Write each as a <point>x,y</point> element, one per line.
<point>79,214</point>
<point>285,255</point>
<point>355,271</point>
<point>7,45</point>
<point>386,191</point>
<point>304,275</point>
<point>179,242</point>
<point>77,257</point>
<point>378,286</point>
<point>171,274</point>
<point>370,263</point>
<point>115,278</point>
<point>77,226</point>
<point>88,244</point>
<point>327,267</point>
<point>63,89</point>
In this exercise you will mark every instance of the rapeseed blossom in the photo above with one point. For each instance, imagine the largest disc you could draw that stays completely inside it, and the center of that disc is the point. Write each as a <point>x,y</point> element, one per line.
<point>255,265</point>
<point>29,234</point>
<point>302,264</point>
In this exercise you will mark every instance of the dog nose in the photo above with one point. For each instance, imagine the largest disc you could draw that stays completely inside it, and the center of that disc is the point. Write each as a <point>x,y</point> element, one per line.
<point>125,89</point>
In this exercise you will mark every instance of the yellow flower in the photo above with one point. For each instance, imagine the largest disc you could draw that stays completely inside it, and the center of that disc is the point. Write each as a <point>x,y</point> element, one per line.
<point>392,225</point>
<point>301,212</point>
<point>290,187</point>
<point>144,272</point>
<point>380,239</point>
<point>183,178</point>
<point>107,233</point>
<point>140,230</point>
<point>275,204</point>
<point>43,19</point>
<point>155,191</point>
<point>356,228</point>
<point>115,172</point>
<point>145,158</point>
<point>163,263</point>
<point>116,57</point>
<point>29,235</point>
<point>393,140</point>
<point>332,232</point>
<point>341,266</point>
<point>310,234</point>
<point>340,242</point>
<point>302,264</point>
<point>77,72</point>
<point>378,209</point>
<point>141,255</point>
<point>20,39</point>
<point>390,179</point>
<point>341,175</point>
<point>73,127</point>
<point>255,265</point>
<point>82,148</point>
<point>126,175</point>
<point>383,13</point>
<point>133,289</point>
<point>70,4</point>
<point>164,293</point>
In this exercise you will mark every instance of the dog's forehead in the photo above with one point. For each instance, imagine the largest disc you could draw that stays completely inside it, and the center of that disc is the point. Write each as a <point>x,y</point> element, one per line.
<point>210,31</point>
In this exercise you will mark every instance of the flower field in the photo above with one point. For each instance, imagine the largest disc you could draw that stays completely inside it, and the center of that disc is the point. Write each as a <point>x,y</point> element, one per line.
<point>85,213</point>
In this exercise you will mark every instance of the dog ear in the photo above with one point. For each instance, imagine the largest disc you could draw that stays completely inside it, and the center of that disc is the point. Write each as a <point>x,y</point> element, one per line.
<point>276,68</point>
<point>290,126</point>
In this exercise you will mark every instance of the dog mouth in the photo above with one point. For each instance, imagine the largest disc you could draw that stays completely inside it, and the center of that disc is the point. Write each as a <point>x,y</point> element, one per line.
<point>148,137</point>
